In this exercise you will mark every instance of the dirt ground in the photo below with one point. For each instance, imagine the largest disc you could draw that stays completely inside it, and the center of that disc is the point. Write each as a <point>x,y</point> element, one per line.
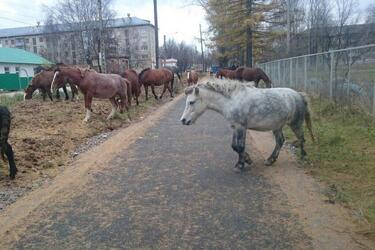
<point>46,136</point>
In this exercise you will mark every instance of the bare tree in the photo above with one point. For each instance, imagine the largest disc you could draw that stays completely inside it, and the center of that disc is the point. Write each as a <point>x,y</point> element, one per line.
<point>80,20</point>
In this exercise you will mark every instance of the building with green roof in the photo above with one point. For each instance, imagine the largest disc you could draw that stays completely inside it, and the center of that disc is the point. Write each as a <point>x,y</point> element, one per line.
<point>17,68</point>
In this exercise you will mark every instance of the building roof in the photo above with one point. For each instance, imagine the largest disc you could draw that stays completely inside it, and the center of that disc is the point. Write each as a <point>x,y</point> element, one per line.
<point>37,30</point>
<point>20,56</point>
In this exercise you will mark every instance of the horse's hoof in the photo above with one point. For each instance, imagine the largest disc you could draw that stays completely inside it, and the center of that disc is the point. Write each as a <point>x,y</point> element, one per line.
<point>240,165</point>
<point>248,160</point>
<point>269,162</point>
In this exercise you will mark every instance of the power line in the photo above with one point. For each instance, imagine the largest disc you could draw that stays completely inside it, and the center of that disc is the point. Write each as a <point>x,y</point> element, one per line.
<point>14,20</point>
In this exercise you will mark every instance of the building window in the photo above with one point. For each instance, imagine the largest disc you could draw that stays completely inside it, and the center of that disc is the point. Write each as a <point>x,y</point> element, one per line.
<point>66,53</point>
<point>6,42</point>
<point>35,49</point>
<point>12,42</point>
<point>17,70</point>
<point>74,61</point>
<point>144,47</point>
<point>26,40</point>
<point>74,54</point>
<point>6,70</point>
<point>126,33</point>
<point>40,39</point>
<point>34,40</point>
<point>144,56</point>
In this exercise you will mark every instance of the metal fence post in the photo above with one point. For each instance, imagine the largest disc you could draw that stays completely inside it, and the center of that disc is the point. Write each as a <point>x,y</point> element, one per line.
<point>305,74</point>
<point>349,72</point>
<point>331,77</point>
<point>290,72</point>
<point>278,73</point>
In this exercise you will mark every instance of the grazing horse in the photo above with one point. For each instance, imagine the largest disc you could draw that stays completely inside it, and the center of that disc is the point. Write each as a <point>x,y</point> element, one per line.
<point>226,73</point>
<point>42,81</point>
<point>192,77</point>
<point>157,77</point>
<point>250,108</point>
<point>132,77</point>
<point>93,84</point>
<point>252,74</point>
<point>6,148</point>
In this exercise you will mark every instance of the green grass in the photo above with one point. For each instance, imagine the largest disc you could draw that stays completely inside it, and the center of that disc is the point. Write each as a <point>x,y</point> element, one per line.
<point>10,100</point>
<point>344,156</point>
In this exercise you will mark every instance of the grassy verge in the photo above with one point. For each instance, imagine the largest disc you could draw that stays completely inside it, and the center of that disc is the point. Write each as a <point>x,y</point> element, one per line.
<point>344,156</point>
<point>10,100</point>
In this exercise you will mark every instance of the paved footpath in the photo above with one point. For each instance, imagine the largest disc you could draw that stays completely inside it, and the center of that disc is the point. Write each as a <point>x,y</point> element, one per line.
<point>175,187</point>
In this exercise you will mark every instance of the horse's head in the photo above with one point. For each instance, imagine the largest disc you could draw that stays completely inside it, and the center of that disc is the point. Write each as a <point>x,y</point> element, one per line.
<point>29,92</point>
<point>194,107</point>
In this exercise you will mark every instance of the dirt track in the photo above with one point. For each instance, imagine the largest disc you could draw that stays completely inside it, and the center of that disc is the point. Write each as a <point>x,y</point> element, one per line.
<point>158,184</point>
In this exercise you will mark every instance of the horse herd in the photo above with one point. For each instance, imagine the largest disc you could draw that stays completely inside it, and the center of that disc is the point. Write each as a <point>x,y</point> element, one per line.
<point>120,89</point>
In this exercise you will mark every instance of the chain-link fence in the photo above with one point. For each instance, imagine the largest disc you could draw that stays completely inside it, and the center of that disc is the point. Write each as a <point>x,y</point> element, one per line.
<point>346,76</point>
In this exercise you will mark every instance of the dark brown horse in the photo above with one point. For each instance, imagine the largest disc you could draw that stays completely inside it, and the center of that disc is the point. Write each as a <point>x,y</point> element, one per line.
<point>42,81</point>
<point>253,74</point>
<point>156,77</point>
<point>6,148</point>
<point>132,77</point>
<point>93,84</point>
<point>192,77</point>
<point>227,73</point>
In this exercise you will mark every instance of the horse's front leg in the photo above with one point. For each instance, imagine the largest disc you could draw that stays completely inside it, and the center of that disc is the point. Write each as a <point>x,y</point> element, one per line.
<point>146,91</point>
<point>12,165</point>
<point>49,93</point>
<point>279,137</point>
<point>170,88</point>
<point>88,101</point>
<point>66,93</point>
<point>153,91</point>
<point>238,145</point>
<point>114,108</point>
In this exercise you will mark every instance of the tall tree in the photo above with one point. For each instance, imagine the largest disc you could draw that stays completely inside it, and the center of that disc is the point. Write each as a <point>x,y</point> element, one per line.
<point>81,18</point>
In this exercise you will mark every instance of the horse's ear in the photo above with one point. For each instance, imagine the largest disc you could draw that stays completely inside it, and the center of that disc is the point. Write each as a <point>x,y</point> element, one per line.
<point>83,71</point>
<point>196,91</point>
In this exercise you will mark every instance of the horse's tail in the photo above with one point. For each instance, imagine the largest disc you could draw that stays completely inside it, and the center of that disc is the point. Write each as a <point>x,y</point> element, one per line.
<point>307,114</point>
<point>265,78</point>
<point>4,130</point>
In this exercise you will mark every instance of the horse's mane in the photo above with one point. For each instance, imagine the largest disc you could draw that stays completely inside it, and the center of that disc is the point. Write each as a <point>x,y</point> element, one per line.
<point>225,87</point>
<point>142,72</point>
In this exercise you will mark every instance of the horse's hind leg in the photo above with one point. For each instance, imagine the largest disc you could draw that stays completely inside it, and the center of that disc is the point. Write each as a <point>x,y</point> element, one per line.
<point>12,165</point>
<point>170,88</point>
<point>164,89</point>
<point>279,137</point>
<point>88,101</point>
<point>298,131</point>
<point>238,145</point>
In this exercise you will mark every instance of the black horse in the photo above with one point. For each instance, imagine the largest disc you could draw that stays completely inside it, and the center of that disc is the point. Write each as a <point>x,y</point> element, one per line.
<point>6,148</point>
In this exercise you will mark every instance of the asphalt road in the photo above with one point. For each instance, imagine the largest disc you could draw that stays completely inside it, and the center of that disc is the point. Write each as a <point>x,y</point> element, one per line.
<point>174,188</point>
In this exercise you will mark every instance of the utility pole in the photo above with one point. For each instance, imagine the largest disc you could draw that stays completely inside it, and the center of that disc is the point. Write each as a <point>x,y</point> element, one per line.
<point>249,37</point>
<point>288,27</point>
<point>200,31</point>
<point>156,33</point>
<point>101,54</point>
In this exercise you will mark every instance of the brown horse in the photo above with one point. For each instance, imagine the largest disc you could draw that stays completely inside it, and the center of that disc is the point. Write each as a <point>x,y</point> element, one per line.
<point>156,77</point>
<point>192,77</point>
<point>42,81</point>
<point>227,73</point>
<point>253,74</point>
<point>93,84</point>
<point>132,77</point>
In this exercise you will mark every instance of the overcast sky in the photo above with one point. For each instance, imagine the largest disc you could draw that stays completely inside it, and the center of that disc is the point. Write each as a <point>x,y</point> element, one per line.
<point>177,18</point>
